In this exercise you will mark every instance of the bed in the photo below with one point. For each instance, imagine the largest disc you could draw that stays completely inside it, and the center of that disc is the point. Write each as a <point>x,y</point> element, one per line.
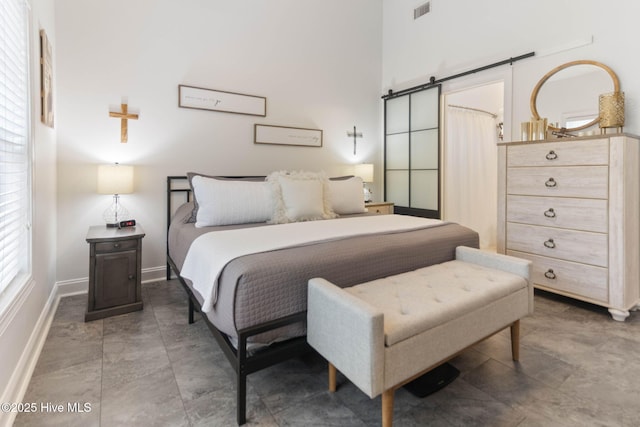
<point>258,310</point>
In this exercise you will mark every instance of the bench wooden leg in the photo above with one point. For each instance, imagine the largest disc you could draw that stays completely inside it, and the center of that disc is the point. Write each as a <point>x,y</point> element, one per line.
<point>332,378</point>
<point>387,408</point>
<point>515,340</point>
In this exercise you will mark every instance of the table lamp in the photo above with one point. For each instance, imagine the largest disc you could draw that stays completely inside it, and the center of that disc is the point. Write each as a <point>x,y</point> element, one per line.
<point>365,171</point>
<point>115,179</point>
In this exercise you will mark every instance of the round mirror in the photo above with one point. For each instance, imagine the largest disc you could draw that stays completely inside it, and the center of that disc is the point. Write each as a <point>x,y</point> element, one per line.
<point>569,94</point>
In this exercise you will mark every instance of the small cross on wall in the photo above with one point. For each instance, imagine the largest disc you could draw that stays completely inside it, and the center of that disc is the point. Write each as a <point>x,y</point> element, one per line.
<point>355,135</point>
<point>123,116</point>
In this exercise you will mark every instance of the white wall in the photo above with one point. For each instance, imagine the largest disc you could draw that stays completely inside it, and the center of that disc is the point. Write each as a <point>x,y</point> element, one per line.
<point>316,62</point>
<point>22,328</point>
<point>461,35</point>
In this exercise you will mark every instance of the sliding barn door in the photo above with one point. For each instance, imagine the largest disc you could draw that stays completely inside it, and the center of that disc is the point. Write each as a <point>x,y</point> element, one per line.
<point>412,152</point>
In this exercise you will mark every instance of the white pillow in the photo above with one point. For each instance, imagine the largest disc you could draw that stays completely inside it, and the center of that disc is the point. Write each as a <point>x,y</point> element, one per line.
<point>302,198</point>
<point>223,202</point>
<point>299,196</point>
<point>347,196</point>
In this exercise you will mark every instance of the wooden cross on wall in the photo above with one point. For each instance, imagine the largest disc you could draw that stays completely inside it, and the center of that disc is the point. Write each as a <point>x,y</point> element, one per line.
<point>123,116</point>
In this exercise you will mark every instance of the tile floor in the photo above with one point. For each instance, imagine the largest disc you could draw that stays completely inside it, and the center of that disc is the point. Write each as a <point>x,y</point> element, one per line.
<point>150,368</point>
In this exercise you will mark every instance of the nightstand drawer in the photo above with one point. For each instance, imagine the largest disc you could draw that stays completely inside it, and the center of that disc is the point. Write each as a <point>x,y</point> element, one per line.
<point>116,246</point>
<point>383,208</point>
<point>570,245</point>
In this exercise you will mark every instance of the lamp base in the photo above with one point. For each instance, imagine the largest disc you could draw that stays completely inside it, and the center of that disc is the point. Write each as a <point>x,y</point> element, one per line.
<point>115,213</point>
<point>367,194</point>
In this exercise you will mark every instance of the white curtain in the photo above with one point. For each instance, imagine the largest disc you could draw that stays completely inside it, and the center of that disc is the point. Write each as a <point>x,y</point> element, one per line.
<point>470,172</point>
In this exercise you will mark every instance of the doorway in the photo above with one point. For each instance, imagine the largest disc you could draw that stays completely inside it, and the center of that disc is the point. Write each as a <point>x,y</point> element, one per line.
<point>472,127</point>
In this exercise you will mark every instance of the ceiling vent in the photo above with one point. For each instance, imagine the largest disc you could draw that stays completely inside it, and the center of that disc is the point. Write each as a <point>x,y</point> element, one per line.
<point>421,10</point>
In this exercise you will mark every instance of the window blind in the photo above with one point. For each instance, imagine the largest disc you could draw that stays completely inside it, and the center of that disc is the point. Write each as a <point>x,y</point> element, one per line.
<point>14,143</point>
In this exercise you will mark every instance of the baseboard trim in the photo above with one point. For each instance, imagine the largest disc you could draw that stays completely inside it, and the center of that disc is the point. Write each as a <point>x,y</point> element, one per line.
<point>67,288</point>
<point>80,286</point>
<point>22,373</point>
<point>154,274</point>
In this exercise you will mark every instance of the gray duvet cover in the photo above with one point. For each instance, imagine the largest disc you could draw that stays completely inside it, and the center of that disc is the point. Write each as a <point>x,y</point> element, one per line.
<point>256,288</point>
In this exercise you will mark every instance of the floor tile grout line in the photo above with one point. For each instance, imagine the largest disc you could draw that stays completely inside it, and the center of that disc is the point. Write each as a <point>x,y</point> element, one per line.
<point>173,372</point>
<point>101,377</point>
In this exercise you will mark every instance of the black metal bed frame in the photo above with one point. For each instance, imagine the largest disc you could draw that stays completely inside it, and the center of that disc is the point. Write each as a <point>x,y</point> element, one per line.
<point>241,361</point>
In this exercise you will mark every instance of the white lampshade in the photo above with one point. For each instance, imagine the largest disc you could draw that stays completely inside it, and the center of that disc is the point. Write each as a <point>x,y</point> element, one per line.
<point>364,171</point>
<point>115,179</point>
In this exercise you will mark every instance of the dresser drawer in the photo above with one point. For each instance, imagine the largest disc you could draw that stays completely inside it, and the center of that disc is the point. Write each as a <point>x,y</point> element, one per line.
<point>561,212</point>
<point>570,245</point>
<point>577,181</point>
<point>568,277</point>
<point>567,153</point>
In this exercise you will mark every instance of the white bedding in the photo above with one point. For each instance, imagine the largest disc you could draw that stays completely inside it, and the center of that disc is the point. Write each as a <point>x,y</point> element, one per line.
<point>210,253</point>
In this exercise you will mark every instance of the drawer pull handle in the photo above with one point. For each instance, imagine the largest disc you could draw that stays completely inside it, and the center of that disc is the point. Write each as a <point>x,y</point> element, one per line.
<point>550,213</point>
<point>549,274</point>
<point>552,155</point>
<point>131,277</point>
<point>551,183</point>
<point>116,245</point>
<point>550,244</point>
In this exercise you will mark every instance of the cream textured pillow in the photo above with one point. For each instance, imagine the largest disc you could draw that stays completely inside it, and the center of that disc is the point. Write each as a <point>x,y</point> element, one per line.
<point>347,196</point>
<point>302,198</point>
<point>230,202</point>
<point>299,196</point>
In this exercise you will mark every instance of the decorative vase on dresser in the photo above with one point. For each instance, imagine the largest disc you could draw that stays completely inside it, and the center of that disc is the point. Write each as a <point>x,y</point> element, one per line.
<point>572,207</point>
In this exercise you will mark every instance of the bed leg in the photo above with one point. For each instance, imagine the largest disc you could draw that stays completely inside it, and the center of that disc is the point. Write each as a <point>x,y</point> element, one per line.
<point>191,310</point>
<point>241,398</point>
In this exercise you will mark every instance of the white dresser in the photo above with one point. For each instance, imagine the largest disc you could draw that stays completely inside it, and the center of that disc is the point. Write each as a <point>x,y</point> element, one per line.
<point>572,207</point>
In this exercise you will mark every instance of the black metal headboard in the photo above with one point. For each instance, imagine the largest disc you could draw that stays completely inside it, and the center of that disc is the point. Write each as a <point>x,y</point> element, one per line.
<point>176,185</point>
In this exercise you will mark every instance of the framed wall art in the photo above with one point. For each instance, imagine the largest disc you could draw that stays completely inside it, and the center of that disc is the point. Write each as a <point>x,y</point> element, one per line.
<point>285,135</point>
<point>216,100</point>
<point>46,80</point>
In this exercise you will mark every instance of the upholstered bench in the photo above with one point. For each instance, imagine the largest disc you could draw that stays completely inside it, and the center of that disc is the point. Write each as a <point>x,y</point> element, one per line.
<point>385,333</point>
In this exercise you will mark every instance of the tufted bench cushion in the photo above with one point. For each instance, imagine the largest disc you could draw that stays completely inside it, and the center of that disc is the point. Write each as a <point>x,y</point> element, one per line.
<point>422,299</point>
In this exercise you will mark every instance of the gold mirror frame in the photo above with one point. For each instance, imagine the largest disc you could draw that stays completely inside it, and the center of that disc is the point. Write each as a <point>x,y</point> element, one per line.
<point>534,94</point>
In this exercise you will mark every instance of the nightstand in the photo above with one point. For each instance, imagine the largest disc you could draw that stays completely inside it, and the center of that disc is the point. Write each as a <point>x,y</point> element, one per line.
<point>384,208</point>
<point>114,271</point>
